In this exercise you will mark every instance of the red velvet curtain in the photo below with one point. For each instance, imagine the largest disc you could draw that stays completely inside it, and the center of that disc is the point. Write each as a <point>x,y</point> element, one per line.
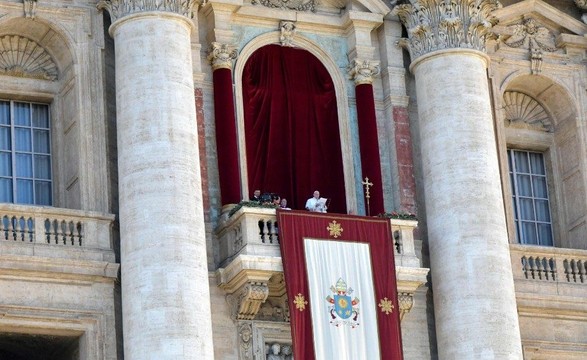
<point>291,127</point>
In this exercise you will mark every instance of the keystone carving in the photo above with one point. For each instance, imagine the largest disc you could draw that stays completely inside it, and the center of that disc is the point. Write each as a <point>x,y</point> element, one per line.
<point>363,71</point>
<point>528,34</point>
<point>297,5</point>
<point>221,56</point>
<point>23,57</point>
<point>30,7</point>
<point>288,30</point>
<point>446,24</point>
<point>248,300</point>
<point>121,8</point>
<point>406,302</point>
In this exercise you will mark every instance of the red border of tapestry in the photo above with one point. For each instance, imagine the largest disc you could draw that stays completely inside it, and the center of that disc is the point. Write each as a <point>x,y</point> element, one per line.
<point>294,226</point>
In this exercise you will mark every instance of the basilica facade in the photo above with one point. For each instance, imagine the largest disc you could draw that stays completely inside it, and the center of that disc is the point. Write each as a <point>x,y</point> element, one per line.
<point>138,130</point>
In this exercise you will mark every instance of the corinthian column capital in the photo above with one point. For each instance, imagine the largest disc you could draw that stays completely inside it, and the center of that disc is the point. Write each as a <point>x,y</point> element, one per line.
<point>121,8</point>
<point>446,24</point>
<point>363,71</point>
<point>221,55</point>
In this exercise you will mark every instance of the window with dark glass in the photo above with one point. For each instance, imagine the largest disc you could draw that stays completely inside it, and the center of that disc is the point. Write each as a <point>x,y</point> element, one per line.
<point>25,153</point>
<point>530,197</point>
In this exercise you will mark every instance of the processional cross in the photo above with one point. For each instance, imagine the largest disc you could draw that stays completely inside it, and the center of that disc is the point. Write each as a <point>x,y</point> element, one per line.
<point>367,185</point>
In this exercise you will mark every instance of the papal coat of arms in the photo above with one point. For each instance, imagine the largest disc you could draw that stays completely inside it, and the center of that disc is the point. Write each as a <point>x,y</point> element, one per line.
<point>343,309</point>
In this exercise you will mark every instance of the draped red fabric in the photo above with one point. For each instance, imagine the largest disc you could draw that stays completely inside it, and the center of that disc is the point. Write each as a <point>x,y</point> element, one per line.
<point>291,127</point>
<point>226,139</point>
<point>370,161</point>
<point>294,227</point>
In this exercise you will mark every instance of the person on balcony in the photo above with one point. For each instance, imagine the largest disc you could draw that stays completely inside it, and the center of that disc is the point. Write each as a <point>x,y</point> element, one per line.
<point>316,203</point>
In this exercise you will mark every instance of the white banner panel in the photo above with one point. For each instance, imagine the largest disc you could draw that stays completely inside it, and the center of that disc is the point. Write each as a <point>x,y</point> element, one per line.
<point>342,295</point>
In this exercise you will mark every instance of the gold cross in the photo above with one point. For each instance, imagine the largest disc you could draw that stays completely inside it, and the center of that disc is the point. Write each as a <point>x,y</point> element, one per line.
<point>367,195</point>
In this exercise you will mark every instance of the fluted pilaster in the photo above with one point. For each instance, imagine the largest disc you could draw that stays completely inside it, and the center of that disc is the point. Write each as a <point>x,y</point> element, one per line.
<point>121,8</point>
<point>446,24</point>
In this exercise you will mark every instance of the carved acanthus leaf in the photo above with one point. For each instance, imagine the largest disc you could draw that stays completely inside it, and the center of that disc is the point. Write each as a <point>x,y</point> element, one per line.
<point>221,56</point>
<point>288,30</point>
<point>523,111</point>
<point>446,24</point>
<point>297,5</point>
<point>23,57</point>
<point>121,8</point>
<point>363,71</point>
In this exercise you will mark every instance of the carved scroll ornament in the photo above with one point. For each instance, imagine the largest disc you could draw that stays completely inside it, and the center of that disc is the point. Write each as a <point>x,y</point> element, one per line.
<point>23,57</point>
<point>582,4</point>
<point>121,8</point>
<point>221,56</point>
<point>446,24</point>
<point>528,34</point>
<point>363,71</point>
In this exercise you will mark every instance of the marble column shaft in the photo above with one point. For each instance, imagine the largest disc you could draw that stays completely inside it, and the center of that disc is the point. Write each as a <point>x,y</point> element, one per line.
<point>165,288</point>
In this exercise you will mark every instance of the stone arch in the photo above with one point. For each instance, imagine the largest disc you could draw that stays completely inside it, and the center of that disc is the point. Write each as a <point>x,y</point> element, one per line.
<point>341,98</point>
<point>554,97</point>
<point>44,35</point>
<point>561,146</point>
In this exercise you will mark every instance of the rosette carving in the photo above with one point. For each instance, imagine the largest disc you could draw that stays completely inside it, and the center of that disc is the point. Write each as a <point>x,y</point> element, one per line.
<point>446,24</point>
<point>122,8</point>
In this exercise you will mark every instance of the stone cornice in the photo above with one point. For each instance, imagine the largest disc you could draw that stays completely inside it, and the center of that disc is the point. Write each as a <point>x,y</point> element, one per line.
<point>363,71</point>
<point>446,24</point>
<point>121,8</point>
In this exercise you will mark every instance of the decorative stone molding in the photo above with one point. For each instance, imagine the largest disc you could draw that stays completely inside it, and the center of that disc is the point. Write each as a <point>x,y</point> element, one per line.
<point>297,5</point>
<point>582,4</point>
<point>363,71</point>
<point>248,300</point>
<point>288,30</point>
<point>528,34</point>
<point>121,8</point>
<point>221,56</point>
<point>446,24</point>
<point>245,347</point>
<point>523,111</point>
<point>23,57</point>
<point>30,8</point>
<point>406,302</point>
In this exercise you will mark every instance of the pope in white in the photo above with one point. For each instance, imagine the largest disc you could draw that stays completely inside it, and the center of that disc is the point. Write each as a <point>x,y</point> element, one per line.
<point>316,203</point>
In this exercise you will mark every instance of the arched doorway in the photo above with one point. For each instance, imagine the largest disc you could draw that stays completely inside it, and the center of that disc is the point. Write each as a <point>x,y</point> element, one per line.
<point>291,127</point>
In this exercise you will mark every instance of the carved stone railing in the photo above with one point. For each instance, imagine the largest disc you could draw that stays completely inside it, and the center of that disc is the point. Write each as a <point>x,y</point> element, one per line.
<point>251,271</point>
<point>551,269</point>
<point>22,224</point>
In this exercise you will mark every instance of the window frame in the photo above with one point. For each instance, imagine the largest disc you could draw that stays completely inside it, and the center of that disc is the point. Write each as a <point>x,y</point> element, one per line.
<point>514,171</point>
<point>14,177</point>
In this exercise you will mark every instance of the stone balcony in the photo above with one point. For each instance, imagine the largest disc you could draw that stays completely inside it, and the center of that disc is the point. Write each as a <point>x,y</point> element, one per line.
<point>551,295</point>
<point>47,239</point>
<point>251,270</point>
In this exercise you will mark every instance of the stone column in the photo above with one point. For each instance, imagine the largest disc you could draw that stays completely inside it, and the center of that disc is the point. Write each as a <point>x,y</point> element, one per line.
<point>221,57</point>
<point>363,72</point>
<point>474,298</point>
<point>165,288</point>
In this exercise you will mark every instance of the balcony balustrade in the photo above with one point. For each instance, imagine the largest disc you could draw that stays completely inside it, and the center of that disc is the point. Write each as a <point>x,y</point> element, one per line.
<point>46,234</point>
